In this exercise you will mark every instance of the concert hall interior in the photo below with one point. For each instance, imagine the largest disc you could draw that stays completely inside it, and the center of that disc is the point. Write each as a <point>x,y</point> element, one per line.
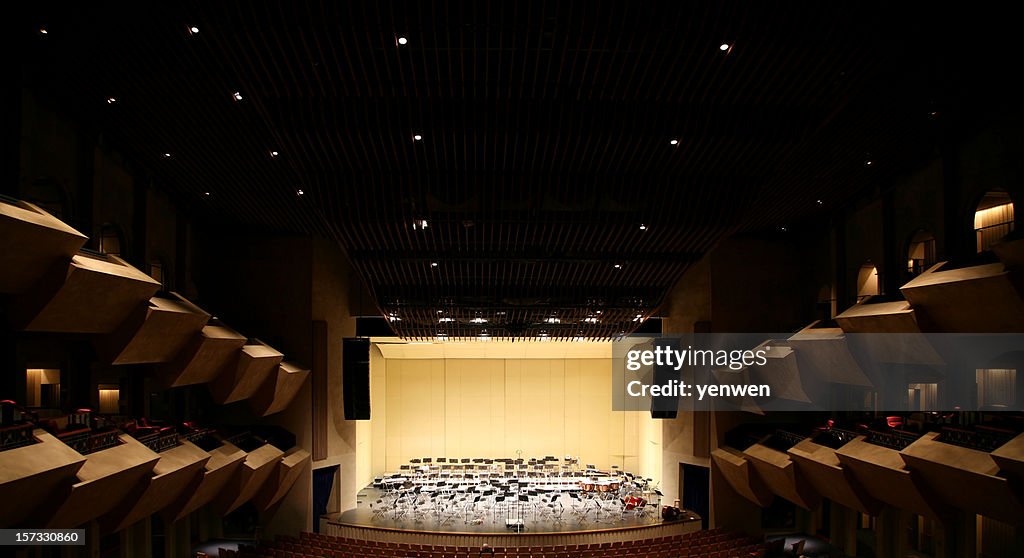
<point>372,279</point>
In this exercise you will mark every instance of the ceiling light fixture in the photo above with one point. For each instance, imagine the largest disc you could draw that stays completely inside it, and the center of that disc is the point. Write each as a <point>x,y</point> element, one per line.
<point>300,192</point>
<point>618,266</point>
<point>111,100</point>
<point>403,41</point>
<point>207,194</point>
<point>479,320</point>
<point>43,31</point>
<point>237,95</point>
<point>193,30</point>
<point>433,264</point>
<point>554,321</point>
<point>643,227</point>
<point>417,137</point>
<point>274,153</point>
<point>724,47</point>
<point>673,142</point>
<point>167,155</point>
<point>420,224</point>
<point>446,320</point>
<point>590,320</point>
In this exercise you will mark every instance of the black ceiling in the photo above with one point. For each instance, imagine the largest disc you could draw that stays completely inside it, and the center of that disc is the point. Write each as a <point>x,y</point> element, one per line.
<point>545,127</point>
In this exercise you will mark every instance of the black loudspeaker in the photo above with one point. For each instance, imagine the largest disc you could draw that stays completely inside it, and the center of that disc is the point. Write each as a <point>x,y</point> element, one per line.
<point>355,378</point>
<point>664,406</point>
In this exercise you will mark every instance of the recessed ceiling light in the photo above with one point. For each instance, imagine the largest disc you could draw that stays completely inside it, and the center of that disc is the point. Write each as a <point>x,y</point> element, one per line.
<point>479,320</point>
<point>111,100</point>
<point>783,228</point>
<point>433,264</point>
<point>207,194</point>
<point>673,141</point>
<point>237,95</point>
<point>440,311</point>
<point>274,153</point>
<point>43,31</point>
<point>643,227</point>
<point>403,41</point>
<point>446,320</point>
<point>868,163</point>
<point>193,30</point>
<point>299,192</point>
<point>420,224</point>
<point>591,320</point>
<point>167,155</point>
<point>417,137</point>
<point>724,47</point>
<point>819,202</point>
<point>618,266</point>
<point>554,321</point>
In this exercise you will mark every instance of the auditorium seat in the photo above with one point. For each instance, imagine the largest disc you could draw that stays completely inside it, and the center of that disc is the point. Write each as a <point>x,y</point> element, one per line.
<point>33,244</point>
<point>154,333</point>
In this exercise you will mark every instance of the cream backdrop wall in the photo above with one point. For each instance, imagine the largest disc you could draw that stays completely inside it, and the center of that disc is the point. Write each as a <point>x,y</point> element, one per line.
<point>457,406</point>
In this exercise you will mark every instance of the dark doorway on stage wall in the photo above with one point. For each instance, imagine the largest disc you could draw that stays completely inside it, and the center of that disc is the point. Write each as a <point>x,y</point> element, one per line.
<point>324,481</point>
<point>696,491</point>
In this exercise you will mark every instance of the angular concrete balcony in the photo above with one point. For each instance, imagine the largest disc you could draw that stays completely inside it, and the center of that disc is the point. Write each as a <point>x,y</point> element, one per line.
<point>240,379</point>
<point>180,470</point>
<point>95,294</point>
<point>823,353</point>
<point>1011,253</point>
<point>34,476</point>
<point>780,371</point>
<point>902,341</point>
<point>285,474</point>
<point>224,464</point>
<point>1009,457</point>
<point>34,244</point>
<point>884,475</point>
<point>978,299</point>
<point>741,476</point>
<point>257,468</point>
<point>155,332</point>
<point>108,478</point>
<point>820,466</point>
<point>278,390</point>
<point>204,357</point>
<point>780,475</point>
<point>949,469</point>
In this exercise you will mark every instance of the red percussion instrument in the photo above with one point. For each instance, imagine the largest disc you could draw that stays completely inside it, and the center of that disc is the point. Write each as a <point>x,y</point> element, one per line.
<point>633,502</point>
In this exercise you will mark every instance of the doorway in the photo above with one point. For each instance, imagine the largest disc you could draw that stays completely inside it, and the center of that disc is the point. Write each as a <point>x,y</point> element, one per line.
<point>324,482</point>
<point>695,491</point>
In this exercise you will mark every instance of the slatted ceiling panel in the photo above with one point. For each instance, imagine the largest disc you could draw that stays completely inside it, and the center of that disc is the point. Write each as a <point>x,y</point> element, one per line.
<point>545,125</point>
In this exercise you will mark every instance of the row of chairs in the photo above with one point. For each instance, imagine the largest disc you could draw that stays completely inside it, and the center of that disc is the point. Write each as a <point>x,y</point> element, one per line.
<point>701,544</point>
